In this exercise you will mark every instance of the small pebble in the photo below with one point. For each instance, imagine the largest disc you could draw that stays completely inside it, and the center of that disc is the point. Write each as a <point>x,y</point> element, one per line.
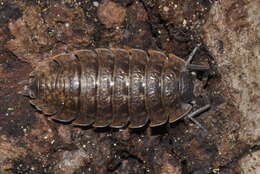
<point>95,3</point>
<point>111,14</point>
<point>184,22</point>
<point>10,109</point>
<point>166,9</point>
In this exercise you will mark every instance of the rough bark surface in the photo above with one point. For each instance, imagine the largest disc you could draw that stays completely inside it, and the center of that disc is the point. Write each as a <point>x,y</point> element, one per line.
<point>33,30</point>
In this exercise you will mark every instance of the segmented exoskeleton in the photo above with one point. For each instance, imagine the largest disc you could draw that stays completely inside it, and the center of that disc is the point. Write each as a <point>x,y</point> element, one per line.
<point>114,87</point>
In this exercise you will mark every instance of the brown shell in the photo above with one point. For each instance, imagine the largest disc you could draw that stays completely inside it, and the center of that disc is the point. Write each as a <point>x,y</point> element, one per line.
<point>110,87</point>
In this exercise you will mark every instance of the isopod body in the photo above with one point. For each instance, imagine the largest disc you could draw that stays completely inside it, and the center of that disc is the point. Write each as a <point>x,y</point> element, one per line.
<point>113,87</point>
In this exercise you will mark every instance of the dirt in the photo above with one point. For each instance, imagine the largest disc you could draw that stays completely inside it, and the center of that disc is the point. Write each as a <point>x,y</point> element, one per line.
<point>111,14</point>
<point>228,31</point>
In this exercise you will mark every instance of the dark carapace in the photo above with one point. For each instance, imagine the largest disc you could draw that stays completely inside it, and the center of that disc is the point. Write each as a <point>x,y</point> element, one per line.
<point>115,87</point>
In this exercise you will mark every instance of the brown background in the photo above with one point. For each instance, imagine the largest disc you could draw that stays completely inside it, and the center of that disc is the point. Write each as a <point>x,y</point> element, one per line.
<point>33,30</point>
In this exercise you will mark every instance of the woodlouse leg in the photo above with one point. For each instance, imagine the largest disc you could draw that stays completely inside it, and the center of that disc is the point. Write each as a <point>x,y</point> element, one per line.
<point>197,112</point>
<point>192,55</point>
<point>202,68</point>
<point>194,67</point>
<point>197,68</point>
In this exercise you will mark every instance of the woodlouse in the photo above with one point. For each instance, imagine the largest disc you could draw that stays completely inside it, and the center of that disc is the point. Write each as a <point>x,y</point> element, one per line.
<point>114,87</point>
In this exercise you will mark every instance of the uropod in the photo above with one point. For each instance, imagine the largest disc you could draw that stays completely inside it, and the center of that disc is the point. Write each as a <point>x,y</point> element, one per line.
<point>115,87</point>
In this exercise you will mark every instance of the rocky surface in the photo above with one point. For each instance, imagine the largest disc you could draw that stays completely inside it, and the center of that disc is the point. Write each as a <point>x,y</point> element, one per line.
<point>32,31</point>
<point>250,163</point>
<point>232,34</point>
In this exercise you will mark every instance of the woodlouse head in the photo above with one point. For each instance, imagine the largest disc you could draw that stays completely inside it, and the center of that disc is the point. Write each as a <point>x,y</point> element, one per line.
<point>186,86</point>
<point>193,81</point>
